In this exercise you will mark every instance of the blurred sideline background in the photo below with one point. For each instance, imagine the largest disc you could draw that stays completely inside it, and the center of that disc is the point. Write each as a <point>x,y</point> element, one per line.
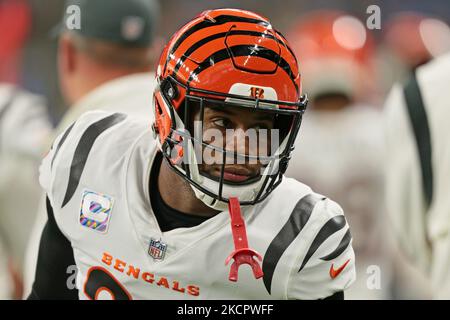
<point>348,71</point>
<point>38,71</point>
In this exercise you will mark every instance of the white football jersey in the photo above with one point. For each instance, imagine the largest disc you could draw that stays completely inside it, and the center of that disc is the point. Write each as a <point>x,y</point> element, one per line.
<point>131,94</point>
<point>97,180</point>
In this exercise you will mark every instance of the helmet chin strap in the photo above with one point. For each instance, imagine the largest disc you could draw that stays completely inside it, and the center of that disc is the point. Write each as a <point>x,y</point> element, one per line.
<point>247,192</point>
<point>210,201</point>
<point>242,254</point>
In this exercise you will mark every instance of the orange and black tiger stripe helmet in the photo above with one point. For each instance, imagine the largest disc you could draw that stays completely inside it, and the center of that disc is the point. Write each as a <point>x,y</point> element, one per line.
<point>238,58</point>
<point>222,47</point>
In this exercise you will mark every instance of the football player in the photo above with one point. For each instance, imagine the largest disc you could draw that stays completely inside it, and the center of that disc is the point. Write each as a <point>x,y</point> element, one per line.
<point>190,207</point>
<point>407,42</point>
<point>416,126</point>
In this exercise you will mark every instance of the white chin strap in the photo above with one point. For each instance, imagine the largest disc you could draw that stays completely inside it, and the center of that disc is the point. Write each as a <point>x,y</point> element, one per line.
<point>243,193</point>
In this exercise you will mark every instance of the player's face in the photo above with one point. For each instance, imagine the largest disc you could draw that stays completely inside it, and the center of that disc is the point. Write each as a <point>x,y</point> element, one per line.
<point>239,130</point>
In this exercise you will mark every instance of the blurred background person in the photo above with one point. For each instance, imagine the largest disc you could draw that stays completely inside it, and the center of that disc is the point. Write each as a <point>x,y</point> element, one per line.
<point>15,24</point>
<point>24,125</point>
<point>108,62</point>
<point>409,39</point>
<point>105,64</point>
<point>342,134</point>
<point>418,170</point>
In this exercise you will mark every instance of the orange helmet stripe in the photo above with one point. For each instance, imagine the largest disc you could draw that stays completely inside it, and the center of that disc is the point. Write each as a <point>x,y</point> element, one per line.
<point>197,45</point>
<point>219,20</point>
<point>244,50</point>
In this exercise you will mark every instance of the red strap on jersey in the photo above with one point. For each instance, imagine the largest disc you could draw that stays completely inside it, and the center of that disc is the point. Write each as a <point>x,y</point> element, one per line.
<point>242,253</point>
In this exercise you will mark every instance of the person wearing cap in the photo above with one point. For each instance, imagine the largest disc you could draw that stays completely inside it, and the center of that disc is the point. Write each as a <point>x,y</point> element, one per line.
<point>105,60</point>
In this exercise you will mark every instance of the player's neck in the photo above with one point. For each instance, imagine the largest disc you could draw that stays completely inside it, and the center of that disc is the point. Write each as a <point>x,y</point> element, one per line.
<point>177,194</point>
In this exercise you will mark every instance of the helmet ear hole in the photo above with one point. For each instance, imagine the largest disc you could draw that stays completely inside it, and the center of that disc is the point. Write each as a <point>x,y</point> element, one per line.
<point>169,89</point>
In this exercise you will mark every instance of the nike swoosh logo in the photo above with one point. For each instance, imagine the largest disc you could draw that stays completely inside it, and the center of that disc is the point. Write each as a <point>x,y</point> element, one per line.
<point>335,272</point>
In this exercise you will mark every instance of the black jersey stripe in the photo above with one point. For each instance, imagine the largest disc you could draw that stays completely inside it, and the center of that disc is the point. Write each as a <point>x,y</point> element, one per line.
<point>420,125</point>
<point>345,242</point>
<point>83,149</point>
<point>60,143</point>
<point>297,220</point>
<point>243,50</point>
<point>331,226</point>
<point>220,35</point>
<point>208,23</point>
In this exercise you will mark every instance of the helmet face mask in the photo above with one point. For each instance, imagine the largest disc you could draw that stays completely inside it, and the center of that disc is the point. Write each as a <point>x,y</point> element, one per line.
<point>183,121</point>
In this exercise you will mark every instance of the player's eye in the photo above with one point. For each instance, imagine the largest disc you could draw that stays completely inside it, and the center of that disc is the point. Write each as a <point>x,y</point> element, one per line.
<point>222,123</point>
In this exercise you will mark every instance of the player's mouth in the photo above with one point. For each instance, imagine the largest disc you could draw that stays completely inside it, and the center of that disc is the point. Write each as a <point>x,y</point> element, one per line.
<point>235,174</point>
<point>232,175</point>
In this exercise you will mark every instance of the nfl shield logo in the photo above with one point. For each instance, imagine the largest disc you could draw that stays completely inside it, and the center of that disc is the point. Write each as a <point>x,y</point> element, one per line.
<point>157,249</point>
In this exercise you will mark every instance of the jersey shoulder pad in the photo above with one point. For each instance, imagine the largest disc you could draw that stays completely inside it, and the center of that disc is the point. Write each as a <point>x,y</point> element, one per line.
<point>98,139</point>
<point>326,263</point>
<point>312,241</point>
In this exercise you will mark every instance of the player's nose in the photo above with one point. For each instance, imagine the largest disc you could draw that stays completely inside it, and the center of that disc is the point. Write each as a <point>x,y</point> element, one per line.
<point>242,141</point>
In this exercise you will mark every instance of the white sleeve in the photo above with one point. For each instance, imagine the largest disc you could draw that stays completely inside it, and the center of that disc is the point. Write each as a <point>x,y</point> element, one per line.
<point>56,164</point>
<point>327,266</point>
<point>56,168</point>
<point>403,183</point>
<point>46,172</point>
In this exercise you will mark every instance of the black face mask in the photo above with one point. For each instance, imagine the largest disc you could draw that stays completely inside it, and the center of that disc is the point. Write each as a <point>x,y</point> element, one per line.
<point>286,117</point>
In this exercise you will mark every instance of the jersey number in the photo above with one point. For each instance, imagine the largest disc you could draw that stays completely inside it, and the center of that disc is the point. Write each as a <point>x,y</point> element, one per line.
<point>99,280</point>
